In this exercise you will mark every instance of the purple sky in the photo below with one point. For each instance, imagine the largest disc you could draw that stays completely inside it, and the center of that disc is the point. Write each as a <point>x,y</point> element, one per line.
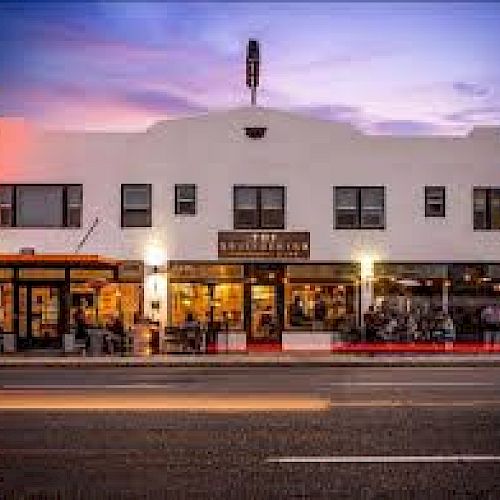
<point>392,68</point>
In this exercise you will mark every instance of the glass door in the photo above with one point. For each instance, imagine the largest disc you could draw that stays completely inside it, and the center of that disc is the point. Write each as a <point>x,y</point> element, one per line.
<point>40,316</point>
<point>264,318</point>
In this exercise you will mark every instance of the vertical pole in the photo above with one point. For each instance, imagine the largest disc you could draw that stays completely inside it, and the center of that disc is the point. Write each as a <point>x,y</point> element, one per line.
<point>366,296</point>
<point>446,296</point>
<point>253,96</point>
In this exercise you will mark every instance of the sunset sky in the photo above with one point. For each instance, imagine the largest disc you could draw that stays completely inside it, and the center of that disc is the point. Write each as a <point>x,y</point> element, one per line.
<point>392,68</point>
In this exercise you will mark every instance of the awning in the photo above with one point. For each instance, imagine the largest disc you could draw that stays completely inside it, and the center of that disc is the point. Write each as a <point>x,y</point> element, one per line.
<point>40,260</point>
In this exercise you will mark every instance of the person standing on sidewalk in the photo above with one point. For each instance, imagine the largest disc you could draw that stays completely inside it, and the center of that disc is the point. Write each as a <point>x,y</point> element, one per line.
<point>81,333</point>
<point>488,321</point>
<point>369,319</point>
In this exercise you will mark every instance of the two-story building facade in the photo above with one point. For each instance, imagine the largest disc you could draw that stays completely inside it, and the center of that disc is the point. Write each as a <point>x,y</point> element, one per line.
<point>281,227</point>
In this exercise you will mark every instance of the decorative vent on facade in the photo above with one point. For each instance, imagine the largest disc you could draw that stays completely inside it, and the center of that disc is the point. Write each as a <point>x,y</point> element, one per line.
<point>255,132</point>
<point>27,251</point>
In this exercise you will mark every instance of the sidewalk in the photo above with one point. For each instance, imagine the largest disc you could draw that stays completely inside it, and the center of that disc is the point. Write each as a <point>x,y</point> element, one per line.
<point>252,359</point>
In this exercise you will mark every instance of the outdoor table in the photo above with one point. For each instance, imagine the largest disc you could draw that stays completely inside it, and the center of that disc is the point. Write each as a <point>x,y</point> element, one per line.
<point>96,341</point>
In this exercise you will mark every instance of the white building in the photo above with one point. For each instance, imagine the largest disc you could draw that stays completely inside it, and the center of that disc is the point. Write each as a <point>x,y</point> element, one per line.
<point>284,226</point>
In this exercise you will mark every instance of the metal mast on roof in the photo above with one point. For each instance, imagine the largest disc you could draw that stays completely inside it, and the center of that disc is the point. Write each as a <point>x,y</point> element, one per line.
<point>253,63</point>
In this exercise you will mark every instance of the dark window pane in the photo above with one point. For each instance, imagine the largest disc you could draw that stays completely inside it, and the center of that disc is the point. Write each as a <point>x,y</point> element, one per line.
<point>272,219</point>
<point>372,198</point>
<point>346,198</point>
<point>74,196</point>
<point>136,218</point>
<point>186,208</point>
<point>495,208</point>
<point>74,208</point>
<point>5,206</point>
<point>6,196</point>
<point>245,198</point>
<point>186,191</point>
<point>434,201</point>
<point>372,219</point>
<point>74,217</point>
<point>5,217</point>
<point>246,219</point>
<point>372,208</point>
<point>480,209</point>
<point>346,219</point>
<point>136,197</point>
<point>346,208</point>
<point>39,206</point>
<point>185,199</point>
<point>136,205</point>
<point>271,198</point>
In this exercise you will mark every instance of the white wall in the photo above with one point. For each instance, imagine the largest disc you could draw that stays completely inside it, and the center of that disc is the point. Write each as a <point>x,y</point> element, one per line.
<point>309,156</point>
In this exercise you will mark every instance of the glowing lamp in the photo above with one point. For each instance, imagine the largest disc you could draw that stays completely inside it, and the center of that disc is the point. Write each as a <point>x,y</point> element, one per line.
<point>154,255</point>
<point>367,267</point>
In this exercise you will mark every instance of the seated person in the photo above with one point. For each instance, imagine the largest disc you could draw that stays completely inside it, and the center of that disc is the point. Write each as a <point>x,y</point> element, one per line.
<point>193,333</point>
<point>266,321</point>
<point>296,312</point>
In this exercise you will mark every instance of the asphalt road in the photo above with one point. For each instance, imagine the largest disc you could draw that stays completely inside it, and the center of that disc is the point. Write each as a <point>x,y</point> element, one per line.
<point>258,432</point>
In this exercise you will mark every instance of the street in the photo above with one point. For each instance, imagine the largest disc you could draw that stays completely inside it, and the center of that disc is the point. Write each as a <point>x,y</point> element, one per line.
<point>250,432</point>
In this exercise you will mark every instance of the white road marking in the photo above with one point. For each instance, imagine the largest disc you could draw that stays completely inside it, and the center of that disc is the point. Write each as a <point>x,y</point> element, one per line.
<point>411,384</point>
<point>386,459</point>
<point>85,386</point>
<point>140,385</point>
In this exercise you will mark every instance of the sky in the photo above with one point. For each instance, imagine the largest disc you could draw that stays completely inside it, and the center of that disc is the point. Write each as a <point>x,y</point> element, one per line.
<point>387,68</point>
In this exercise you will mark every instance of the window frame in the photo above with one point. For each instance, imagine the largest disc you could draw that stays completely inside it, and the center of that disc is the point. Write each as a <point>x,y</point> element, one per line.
<point>427,190</point>
<point>64,208</point>
<point>359,209</point>
<point>259,189</point>
<point>488,192</point>
<point>177,210</point>
<point>148,211</point>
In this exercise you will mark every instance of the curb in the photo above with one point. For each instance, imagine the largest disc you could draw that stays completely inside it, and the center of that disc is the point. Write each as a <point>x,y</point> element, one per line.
<point>362,361</point>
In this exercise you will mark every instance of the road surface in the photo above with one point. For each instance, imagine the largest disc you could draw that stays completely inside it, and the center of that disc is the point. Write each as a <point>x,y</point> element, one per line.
<point>250,432</point>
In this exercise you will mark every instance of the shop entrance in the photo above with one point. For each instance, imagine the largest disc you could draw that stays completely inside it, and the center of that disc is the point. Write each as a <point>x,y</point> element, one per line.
<point>264,317</point>
<point>264,304</point>
<point>40,316</point>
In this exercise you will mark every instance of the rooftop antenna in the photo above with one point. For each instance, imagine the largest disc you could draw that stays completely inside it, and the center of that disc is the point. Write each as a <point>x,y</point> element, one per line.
<point>253,63</point>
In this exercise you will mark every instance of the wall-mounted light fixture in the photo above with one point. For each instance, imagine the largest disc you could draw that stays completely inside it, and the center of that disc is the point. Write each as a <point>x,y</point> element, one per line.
<point>367,267</point>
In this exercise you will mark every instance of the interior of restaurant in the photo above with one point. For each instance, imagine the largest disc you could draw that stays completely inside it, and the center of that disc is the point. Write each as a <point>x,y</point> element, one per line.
<point>40,296</point>
<point>263,299</point>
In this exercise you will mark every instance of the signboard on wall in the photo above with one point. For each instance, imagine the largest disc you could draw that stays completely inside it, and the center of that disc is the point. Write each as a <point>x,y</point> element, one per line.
<point>264,245</point>
<point>131,271</point>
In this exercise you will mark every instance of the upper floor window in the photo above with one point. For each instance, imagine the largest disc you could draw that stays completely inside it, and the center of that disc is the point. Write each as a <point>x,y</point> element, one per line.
<point>259,207</point>
<point>185,199</point>
<point>434,201</point>
<point>40,205</point>
<point>136,205</point>
<point>486,203</point>
<point>359,207</point>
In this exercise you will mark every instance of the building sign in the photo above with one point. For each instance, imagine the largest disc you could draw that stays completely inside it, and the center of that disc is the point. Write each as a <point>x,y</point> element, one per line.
<point>411,271</point>
<point>263,245</point>
<point>131,271</point>
<point>187,272</point>
<point>92,275</point>
<point>326,273</point>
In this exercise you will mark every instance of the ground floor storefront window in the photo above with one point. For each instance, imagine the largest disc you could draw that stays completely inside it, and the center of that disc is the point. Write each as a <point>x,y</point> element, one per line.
<point>316,307</point>
<point>262,300</point>
<point>221,303</point>
<point>45,293</point>
<point>321,297</point>
<point>102,304</point>
<point>207,294</point>
<point>475,301</point>
<point>6,307</point>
